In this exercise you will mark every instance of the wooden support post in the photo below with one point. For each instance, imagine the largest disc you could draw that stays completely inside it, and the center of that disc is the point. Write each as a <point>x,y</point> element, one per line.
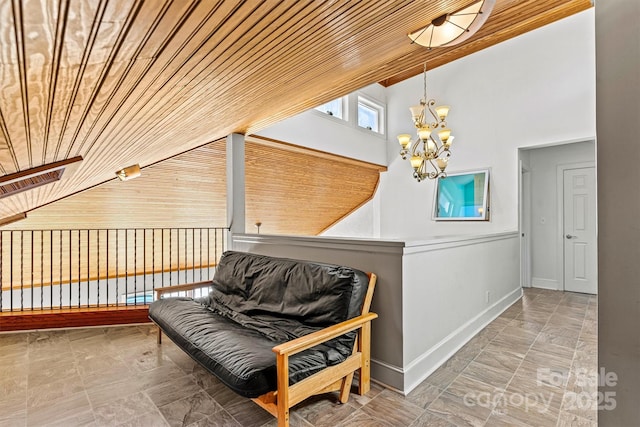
<point>364,338</point>
<point>282,366</point>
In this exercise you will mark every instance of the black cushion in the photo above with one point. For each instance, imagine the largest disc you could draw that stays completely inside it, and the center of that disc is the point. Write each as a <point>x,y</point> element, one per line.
<point>315,294</point>
<point>259,302</point>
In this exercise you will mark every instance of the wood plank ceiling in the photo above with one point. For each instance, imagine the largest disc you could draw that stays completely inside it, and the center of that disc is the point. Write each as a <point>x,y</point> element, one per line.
<point>134,81</point>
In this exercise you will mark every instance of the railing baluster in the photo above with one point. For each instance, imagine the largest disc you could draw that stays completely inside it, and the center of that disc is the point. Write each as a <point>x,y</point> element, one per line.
<point>126,266</point>
<point>22,270</point>
<point>162,266</point>
<point>107,262</point>
<point>117,271</point>
<point>88,266</point>
<point>98,275</point>
<point>60,271</point>
<point>51,268</point>
<point>11,271</point>
<point>135,266</point>
<point>153,261</point>
<point>144,266</point>
<point>79,266</point>
<point>215,245</point>
<point>186,255</point>
<point>41,268</point>
<point>31,271</point>
<point>70,269</point>
<point>1,271</point>
<point>178,247</point>
<point>193,254</point>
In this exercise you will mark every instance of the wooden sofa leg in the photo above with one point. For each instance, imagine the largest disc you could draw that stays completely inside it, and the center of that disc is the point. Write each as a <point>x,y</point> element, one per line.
<point>282,367</point>
<point>345,389</point>
<point>365,349</point>
<point>159,335</point>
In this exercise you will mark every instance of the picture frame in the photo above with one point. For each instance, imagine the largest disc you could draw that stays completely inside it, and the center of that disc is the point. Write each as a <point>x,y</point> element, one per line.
<point>463,196</point>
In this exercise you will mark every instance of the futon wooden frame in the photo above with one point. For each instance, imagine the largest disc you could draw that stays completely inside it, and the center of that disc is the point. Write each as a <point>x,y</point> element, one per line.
<point>333,378</point>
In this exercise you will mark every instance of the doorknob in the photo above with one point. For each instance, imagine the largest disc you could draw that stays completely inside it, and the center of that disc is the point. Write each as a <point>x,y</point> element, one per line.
<point>569,236</point>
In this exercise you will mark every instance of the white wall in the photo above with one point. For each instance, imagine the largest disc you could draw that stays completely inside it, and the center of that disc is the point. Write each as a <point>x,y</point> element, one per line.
<point>545,224</point>
<point>359,224</point>
<point>444,307</point>
<point>536,89</point>
<point>320,131</point>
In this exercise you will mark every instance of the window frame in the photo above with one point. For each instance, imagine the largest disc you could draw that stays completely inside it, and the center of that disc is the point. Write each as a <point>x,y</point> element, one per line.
<point>344,107</point>
<point>374,105</point>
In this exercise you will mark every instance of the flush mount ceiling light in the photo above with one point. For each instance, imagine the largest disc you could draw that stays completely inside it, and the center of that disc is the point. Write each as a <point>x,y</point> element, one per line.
<point>453,28</point>
<point>128,173</point>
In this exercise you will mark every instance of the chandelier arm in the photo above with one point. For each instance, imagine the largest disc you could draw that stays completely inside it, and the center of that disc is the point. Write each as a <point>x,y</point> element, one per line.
<point>414,147</point>
<point>435,168</point>
<point>437,122</point>
<point>441,149</point>
<point>432,174</point>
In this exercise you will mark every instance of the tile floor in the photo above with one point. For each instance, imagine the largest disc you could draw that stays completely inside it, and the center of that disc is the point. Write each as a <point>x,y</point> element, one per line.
<point>532,366</point>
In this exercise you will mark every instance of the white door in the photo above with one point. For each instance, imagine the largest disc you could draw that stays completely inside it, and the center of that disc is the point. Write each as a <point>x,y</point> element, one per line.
<point>580,245</point>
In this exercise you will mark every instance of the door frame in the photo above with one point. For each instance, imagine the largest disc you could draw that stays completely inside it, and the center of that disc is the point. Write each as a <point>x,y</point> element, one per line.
<point>525,225</point>
<point>560,261</point>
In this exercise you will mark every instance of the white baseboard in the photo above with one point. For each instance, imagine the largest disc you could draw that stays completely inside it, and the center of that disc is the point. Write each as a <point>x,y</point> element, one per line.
<point>423,366</point>
<point>537,282</point>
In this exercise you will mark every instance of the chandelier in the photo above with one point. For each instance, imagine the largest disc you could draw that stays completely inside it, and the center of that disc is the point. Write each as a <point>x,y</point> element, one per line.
<point>430,151</point>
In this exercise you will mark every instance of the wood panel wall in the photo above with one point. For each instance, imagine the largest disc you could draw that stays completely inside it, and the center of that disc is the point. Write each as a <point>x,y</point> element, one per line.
<point>290,189</point>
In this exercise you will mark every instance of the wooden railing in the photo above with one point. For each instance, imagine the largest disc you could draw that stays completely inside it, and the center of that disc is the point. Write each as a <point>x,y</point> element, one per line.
<point>61,269</point>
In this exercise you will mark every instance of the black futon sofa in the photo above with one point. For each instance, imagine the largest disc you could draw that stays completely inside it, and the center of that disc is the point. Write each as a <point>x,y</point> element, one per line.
<point>275,330</point>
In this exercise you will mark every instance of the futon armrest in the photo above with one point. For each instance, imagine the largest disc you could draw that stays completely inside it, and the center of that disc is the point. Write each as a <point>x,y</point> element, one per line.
<point>299,344</point>
<point>179,288</point>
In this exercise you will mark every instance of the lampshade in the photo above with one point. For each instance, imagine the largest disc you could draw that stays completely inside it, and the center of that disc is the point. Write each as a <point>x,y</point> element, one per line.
<point>449,142</point>
<point>416,112</point>
<point>424,133</point>
<point>444,135</point>
<point>416,162</point>
<point>442,111</point>
<point>451,29</point>
<point>404,140</point>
